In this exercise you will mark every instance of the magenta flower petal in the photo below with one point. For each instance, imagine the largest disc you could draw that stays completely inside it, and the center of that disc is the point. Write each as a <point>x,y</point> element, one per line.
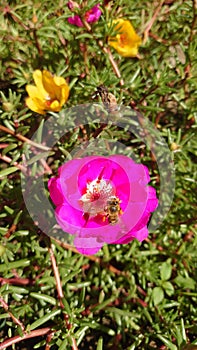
<point>93,14</point>
<point>70,5</point>
<point>84,193</point>
<point>140,235</point>
<point>87,246</point>
<point>152,199</point>
<point>75,20</point>
<point>111,170</point>
<point>135,171</point>
<point>55,190</point>
<point>68,174</point>
<point>70,219</point>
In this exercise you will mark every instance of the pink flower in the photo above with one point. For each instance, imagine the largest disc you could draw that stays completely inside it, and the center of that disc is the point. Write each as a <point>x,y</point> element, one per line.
<point>90,16</point>
<point>103,200</point>
<point>75,20</point>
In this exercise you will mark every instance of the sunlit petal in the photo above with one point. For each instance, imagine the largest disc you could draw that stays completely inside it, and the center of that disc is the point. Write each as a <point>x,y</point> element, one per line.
<point>126,42</point>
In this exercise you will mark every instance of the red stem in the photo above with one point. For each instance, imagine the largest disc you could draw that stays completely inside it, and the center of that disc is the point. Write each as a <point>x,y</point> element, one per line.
<point>17,339</point>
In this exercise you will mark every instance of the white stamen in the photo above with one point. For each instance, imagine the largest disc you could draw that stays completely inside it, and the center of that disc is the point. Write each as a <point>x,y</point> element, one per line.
<point>97,193</point>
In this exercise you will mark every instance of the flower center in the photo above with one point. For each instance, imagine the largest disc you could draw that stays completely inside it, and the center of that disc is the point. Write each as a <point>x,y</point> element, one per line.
<point>48,101</point>
<point>123,40</point>
<point>100,199</point>
<point>94,200</point>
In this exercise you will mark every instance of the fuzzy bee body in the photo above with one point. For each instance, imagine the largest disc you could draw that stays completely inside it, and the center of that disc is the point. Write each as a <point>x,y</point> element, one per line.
<point>113,210</point>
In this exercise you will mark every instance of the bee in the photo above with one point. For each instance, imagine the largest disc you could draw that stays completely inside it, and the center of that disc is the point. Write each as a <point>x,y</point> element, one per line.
<point>107,98</point>
<point>113,209</point>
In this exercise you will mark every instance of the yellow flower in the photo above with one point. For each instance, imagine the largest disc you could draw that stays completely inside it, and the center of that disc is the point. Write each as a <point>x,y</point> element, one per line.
<point>49,94</point>
<point>126,42</point>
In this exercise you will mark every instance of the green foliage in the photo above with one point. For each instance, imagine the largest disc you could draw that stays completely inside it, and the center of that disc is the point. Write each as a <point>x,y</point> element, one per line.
<point>134,296</point>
